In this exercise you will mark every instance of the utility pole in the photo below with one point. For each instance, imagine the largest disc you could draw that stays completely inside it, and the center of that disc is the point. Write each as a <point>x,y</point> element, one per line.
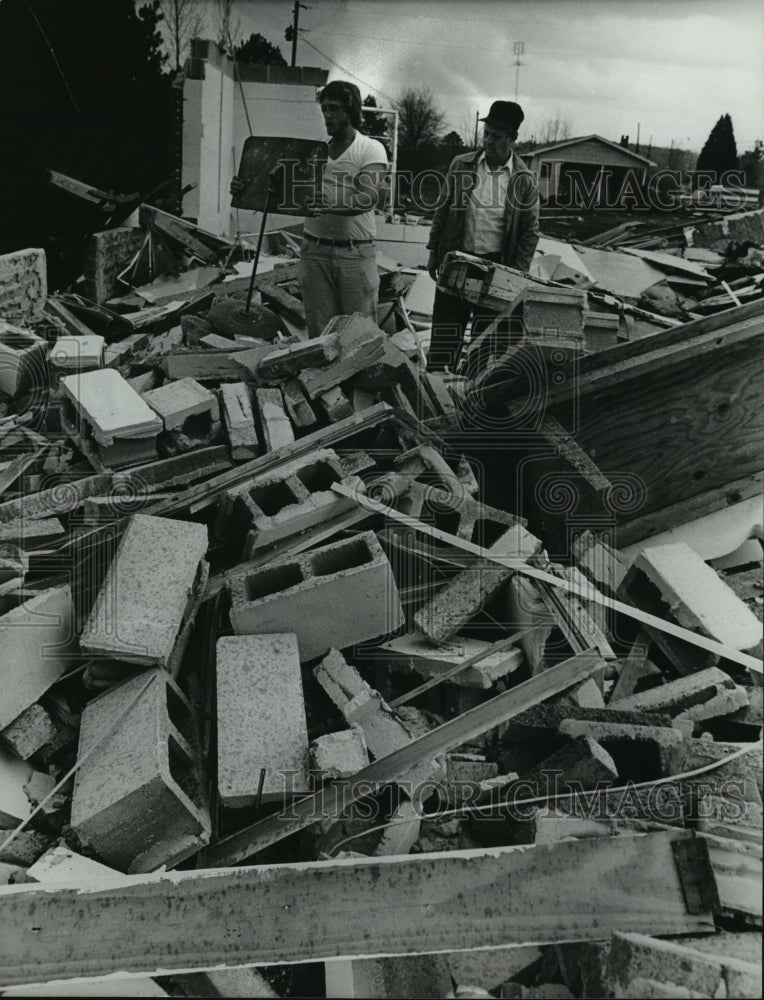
<point>295,19</point>
<point>519,49</point>
<point>477,120</point>
<point>639,125</point>
<point>671,154</point>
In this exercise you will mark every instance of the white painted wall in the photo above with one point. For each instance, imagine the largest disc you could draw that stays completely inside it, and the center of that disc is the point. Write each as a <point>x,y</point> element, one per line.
<point>215,129</point>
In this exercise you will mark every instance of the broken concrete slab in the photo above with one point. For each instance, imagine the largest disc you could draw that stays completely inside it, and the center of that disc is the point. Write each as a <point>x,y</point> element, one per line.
<point>239,421</point>
<point>698,598</point>
<point>38,643</point>
<point>23,285</point>
<point>258,678</point>
<point>274,423</point>
<point>138,799</point>
<point>340,754</point>
<point>148,591</point>
<point>107,419</point>
<point>76,354</point>
<point>22,360</point>
<point>29,732</point>
<point>353,577</point>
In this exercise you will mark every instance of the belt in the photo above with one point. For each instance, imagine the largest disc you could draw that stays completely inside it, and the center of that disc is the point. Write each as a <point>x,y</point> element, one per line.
<point>334,243</point>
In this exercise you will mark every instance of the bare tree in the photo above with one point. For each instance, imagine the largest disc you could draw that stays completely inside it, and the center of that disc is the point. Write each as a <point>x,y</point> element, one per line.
<point>420,120</point>
<point>183,20</point>
<point>227,25</point>
<point>466,128</point>
<point>555,129</point>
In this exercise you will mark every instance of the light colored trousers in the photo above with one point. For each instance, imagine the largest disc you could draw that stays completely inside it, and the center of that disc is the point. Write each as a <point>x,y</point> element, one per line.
<point>337,281</point>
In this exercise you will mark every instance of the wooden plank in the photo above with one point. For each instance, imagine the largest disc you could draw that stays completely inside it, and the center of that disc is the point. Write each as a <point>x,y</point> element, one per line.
<point>400,905</point>
<point>333,799</point>
<point>580,589</point>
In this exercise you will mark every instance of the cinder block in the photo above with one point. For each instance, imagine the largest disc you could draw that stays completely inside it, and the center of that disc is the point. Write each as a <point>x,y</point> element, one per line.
<point>25,848</point>
<point>699,599</point>
<point>299,497</point>
<point>185,406</point>
<point>107,419</point>
<point>138,799</point>
<point>147,592</point>
<point>747,772</point>
<point>413,651</point>
<point>23,285</point>
<point>29,732</point>
<point>467,592</point>
<point>261,718</point>
<point>604,732</point>
<point>335,404</point>
<point>239,421</point>
<point>351,577</point>
<point>22,360</point>
<point>274,422</point>
<point>582,761</point>
<point>75,354</point>
<point>340,754</point>
<point>38,644</point>
<point>542,722</point>
<point>699,696</point>
<point>637,956</point>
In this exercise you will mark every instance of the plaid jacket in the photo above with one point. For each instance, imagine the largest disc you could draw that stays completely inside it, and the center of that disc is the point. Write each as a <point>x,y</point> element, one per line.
<point>521,212</point>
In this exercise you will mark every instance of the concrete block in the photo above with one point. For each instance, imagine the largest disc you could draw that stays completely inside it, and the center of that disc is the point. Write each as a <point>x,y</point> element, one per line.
<point>274,422</point>
<point>29,732</point>
<point>14,804</point>
<point>384,730</point>
<point>351,577</point>
<point>634,956</point>
<point>76,354</point>
<point>467,592</point>
<point>22,360</point>
<point>38,645</point>
<point>185,406</point>
<point>335,404</point>
<point>297,498</point>
<point>746,772</point>
<point>582,761</point>
<point>107,419</point>
<point>587,695</point>
<point>147,591</point>
<point>260,718</point>
<point>698,598</point>
<point>23,285</point>
<point>699,696</point>
<point>490,968</point>
<point>340,754</point>
<point>297,406</point>
<point>25,848</point>
<point>379,978</point>
<point>239,421</point>
<point>606,732</point>
<point>414,652</point>
<point>542,722</point>
<point>138,799</point>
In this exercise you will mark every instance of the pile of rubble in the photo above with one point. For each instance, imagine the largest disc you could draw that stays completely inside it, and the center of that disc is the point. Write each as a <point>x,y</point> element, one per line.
<point>294,706</point>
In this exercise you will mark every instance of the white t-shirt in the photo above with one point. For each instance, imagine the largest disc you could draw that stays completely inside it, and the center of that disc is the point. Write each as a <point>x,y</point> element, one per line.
<point>338,187</point>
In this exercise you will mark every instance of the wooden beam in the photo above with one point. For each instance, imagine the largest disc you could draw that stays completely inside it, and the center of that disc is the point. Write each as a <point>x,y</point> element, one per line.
<point>333,799</point>
<point>581,589</point>
<point>194,920</point>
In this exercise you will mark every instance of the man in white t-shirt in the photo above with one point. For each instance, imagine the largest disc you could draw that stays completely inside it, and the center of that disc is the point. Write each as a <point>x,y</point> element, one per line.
<point>338,267</point>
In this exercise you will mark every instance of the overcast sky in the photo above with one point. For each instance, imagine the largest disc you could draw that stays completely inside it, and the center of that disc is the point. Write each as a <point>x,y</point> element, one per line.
<point>673,66</point>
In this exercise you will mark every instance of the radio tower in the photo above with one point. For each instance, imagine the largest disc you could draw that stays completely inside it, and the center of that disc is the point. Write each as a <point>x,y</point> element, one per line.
<point>519,51</point>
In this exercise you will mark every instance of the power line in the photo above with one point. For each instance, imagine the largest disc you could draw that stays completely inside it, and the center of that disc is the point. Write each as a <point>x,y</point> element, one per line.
<point>387,97</point>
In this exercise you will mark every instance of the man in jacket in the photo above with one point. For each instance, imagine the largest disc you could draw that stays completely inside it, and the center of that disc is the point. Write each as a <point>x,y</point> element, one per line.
<point>492,211</point>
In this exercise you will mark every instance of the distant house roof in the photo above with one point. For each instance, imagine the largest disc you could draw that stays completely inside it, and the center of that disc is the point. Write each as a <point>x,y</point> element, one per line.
<point>587,138</point>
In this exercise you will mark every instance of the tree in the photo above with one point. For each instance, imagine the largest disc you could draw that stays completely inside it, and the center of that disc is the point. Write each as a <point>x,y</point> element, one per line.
<point>227,25</point>
<point>184,20</point>
<point>452,144</point>
<point>752,164</point>
<point>553,130</point>
<point>719,152</point>
<point>420,121</point>
<point>374,122</point>
<point>259,50</point>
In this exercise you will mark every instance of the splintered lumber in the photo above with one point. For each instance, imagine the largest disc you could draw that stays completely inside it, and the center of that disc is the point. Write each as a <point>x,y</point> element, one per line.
<point>333,799</point>
<point>576,586</point>
<point>416,905</point>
